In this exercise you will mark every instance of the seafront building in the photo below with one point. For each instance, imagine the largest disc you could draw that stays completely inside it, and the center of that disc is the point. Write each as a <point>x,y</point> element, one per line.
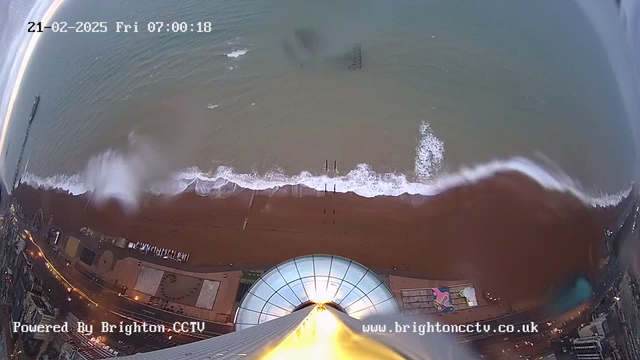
<point>37,311</point>
<point>307,307</point>
<point>588,348</point>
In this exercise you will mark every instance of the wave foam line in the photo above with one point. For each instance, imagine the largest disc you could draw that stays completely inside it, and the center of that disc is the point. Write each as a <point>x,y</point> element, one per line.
<point>362,181</point>
<point>429,153</point>
<point>237,53</point>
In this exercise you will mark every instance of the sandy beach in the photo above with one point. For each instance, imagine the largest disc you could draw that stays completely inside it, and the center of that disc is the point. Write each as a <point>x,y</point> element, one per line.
<point>509,234</point>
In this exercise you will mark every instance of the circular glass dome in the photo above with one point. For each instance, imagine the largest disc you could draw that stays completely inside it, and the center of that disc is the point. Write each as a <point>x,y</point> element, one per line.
<point>333,280</point>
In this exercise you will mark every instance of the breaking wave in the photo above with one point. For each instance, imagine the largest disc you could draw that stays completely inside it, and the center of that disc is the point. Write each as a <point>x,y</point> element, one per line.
<point>237,53</point>
<point>429,153</point>
<point>124,176</point>
<point>362,181</point>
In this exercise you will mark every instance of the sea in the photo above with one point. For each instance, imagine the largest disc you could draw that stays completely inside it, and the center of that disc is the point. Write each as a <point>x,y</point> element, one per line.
<point>448,93</point>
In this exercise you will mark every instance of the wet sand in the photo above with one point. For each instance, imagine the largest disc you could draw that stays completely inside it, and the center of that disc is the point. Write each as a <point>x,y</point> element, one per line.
<point>507,233</point>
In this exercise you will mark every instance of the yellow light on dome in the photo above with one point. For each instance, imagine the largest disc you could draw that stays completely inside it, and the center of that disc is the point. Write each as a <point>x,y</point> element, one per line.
<point>320,296</point>
<point>323,336</point>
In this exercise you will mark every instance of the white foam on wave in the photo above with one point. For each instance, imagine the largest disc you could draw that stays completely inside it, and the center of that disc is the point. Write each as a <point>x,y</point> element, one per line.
<point>113,174</point>
<point>429,153</point>
<point>124,176</point>
<point>71,183</point>
<point>237,53</point>
<point>365,182</point>
<point>362,181</point>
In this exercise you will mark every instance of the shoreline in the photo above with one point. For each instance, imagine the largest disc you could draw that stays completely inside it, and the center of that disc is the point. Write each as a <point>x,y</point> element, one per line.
<point>128,187</point>
<point>507,233</point>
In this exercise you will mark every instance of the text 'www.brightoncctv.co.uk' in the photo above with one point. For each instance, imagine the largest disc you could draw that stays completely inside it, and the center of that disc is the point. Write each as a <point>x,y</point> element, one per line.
<point>437,327</point>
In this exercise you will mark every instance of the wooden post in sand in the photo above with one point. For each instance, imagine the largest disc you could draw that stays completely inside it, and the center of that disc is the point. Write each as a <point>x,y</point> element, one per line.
<point>88,201</point>
<point>253,195</point>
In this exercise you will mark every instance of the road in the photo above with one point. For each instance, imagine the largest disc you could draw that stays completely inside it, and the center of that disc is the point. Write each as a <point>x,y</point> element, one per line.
<point>57,293</point>
<point>119,305</point>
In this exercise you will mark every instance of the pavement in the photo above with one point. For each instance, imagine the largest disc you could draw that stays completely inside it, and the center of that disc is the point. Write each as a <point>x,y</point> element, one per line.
<point>86,311</point>
<point>119,305</point>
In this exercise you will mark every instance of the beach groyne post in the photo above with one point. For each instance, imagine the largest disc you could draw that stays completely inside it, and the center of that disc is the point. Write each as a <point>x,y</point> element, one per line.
<point>356,57</point>
<point>335,172</point>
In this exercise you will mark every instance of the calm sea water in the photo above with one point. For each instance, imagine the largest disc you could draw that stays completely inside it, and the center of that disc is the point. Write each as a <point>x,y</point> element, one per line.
<point>444,84</point>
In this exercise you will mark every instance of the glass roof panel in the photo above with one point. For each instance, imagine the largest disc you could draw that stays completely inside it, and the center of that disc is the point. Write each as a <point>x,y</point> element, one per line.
<point>355,273</point>
<point>266,317</point>
<point>388,307</point>
<point>369,282</point>
<point>289,295</point>
<point>354,296</point>
<point>240,326</point>
<point>300,291</point>
<point>252,302</point>
<point>305,266</point>
<point>275,310</point>
<point>278,300</point>
<point>339,267</point>
<point>332,287</point>
<point>322,294</point>
<point>310,286</point>
<point>322,265</point>
<point>274,279</point>
<point>289,271</point>
<point>360,304</point>
<point>261,289</point>
<point>248,317</point>
<point>317,278</point>
<point>363,313</point>
<point>344,290</point>
<point>380,294</point>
